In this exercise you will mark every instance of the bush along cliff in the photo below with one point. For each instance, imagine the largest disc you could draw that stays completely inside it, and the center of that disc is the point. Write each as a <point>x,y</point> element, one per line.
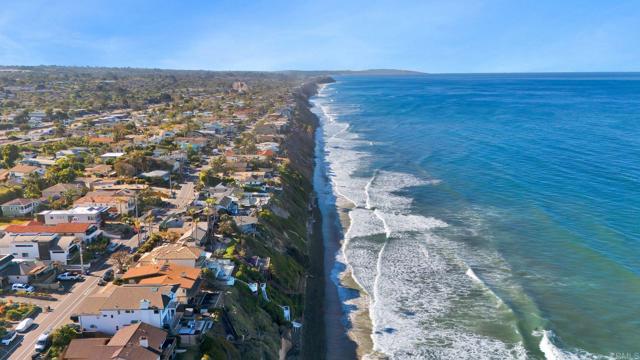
<point>275,324</point>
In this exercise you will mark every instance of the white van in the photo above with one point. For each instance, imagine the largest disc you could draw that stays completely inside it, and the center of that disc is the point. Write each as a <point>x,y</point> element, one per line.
<point>24,325</point>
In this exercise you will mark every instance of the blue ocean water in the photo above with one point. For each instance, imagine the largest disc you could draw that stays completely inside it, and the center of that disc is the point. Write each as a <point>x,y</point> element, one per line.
<point>493,216</point>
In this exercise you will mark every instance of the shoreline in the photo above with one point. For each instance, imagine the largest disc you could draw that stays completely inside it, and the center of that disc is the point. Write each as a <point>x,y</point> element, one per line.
<point>345,300</point>
<point>324,335</point>
<point>361,324</point>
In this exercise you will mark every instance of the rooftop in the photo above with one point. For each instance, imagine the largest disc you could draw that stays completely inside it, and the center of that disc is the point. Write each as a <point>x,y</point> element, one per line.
<point>128,297</point>
<point>38,228</point>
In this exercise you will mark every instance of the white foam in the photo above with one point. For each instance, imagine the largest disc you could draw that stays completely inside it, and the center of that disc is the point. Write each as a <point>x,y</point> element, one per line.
<point>552,352</point>
<point>415,281</point>
<point>470,273</point>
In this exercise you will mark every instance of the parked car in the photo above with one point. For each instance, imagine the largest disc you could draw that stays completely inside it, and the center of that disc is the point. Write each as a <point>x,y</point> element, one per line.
<point>22,287</point>
<point>24,325</point>
<point>67,276</point>
<point>108,275</point>
<point>43,342</point>
<point>8,338</point>
<point>113,246</point>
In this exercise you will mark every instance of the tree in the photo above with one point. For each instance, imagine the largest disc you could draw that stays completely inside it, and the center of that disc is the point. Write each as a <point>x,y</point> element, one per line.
<point>33,185</point>
<point>60,128</point>
<point>10,153</point>
<point>219,165</point>
<point>227,226</point>
<point>121,260</point>
<point>60,338</point>
<point>63,171</point>
<point>22,117</point>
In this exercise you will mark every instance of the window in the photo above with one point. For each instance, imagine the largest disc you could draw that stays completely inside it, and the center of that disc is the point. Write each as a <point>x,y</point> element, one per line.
<point>156,311</point>
<point>25,254</point>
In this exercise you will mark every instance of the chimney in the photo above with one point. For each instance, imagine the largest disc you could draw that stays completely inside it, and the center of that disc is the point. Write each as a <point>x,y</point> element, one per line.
<point>144,304</point>
<point>144,342</point>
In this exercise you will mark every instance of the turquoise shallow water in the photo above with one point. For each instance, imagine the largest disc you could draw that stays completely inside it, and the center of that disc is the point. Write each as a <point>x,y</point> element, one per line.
<point>496,216</point>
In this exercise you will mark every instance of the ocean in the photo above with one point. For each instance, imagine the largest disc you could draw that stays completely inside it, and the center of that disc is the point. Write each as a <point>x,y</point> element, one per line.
<point>490,216</point>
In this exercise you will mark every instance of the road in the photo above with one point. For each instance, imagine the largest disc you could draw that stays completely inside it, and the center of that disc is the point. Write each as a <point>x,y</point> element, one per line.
<point>183,198</point>
<point>23,348</point>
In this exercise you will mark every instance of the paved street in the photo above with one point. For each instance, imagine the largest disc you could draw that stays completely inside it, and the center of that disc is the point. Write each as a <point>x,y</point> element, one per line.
<point>23,346</point>
<point>183,198</point>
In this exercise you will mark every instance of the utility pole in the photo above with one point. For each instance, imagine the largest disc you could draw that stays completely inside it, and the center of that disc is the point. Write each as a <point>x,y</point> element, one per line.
<point>81,259</point>
<point>137,219</point>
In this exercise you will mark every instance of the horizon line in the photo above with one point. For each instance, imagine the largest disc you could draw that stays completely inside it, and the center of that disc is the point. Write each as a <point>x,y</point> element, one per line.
<point>395,70</point>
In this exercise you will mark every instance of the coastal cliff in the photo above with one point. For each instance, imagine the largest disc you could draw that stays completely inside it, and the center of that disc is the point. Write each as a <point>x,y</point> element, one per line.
<point>289,234</point>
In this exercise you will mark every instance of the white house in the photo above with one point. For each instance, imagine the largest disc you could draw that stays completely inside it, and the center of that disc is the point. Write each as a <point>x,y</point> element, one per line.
<point>87,233</point>
<point>111,155</point>
<point>45,247</point>
<point>129,304</point>
<point>79,214</point>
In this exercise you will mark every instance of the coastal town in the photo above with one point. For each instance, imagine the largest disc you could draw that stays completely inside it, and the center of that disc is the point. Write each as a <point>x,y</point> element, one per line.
<point>151,214</point>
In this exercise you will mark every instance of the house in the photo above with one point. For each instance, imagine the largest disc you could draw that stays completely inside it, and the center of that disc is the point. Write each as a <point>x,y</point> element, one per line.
<point>163,135</point>
<point>162,175</point>
<point>100,140</point>
<point>19,172</point>
<point>246,224</point>
<point>79,214</point>
<point>86,233</point>
<point>58,190</point>
<point>177,254</point>
<point>222,270</point>
<point>273,146</point>
<point>196,233</point>
<point>196,143</point>
<point>25,272</point>
<point>36,118</point>
<point>38,161</point>
<point>186,278</point>
<point>139,341</point>
<point>228,204</point>
<point>19,207</point>
<point>38,246</point>
<point>117,202</point>
<point>99,170</point>
<point>111,155</point>
<point>70,152</point>
<point>127,305</point>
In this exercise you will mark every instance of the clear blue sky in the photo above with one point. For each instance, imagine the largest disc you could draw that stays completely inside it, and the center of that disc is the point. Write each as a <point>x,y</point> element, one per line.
<point>431,36</point>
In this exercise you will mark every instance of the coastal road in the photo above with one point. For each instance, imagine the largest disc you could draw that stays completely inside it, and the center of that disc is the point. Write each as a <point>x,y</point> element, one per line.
<point>62,311</point>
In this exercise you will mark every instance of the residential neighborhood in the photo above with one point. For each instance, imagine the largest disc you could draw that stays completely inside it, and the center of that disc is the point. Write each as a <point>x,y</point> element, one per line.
<point>156,216</point>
